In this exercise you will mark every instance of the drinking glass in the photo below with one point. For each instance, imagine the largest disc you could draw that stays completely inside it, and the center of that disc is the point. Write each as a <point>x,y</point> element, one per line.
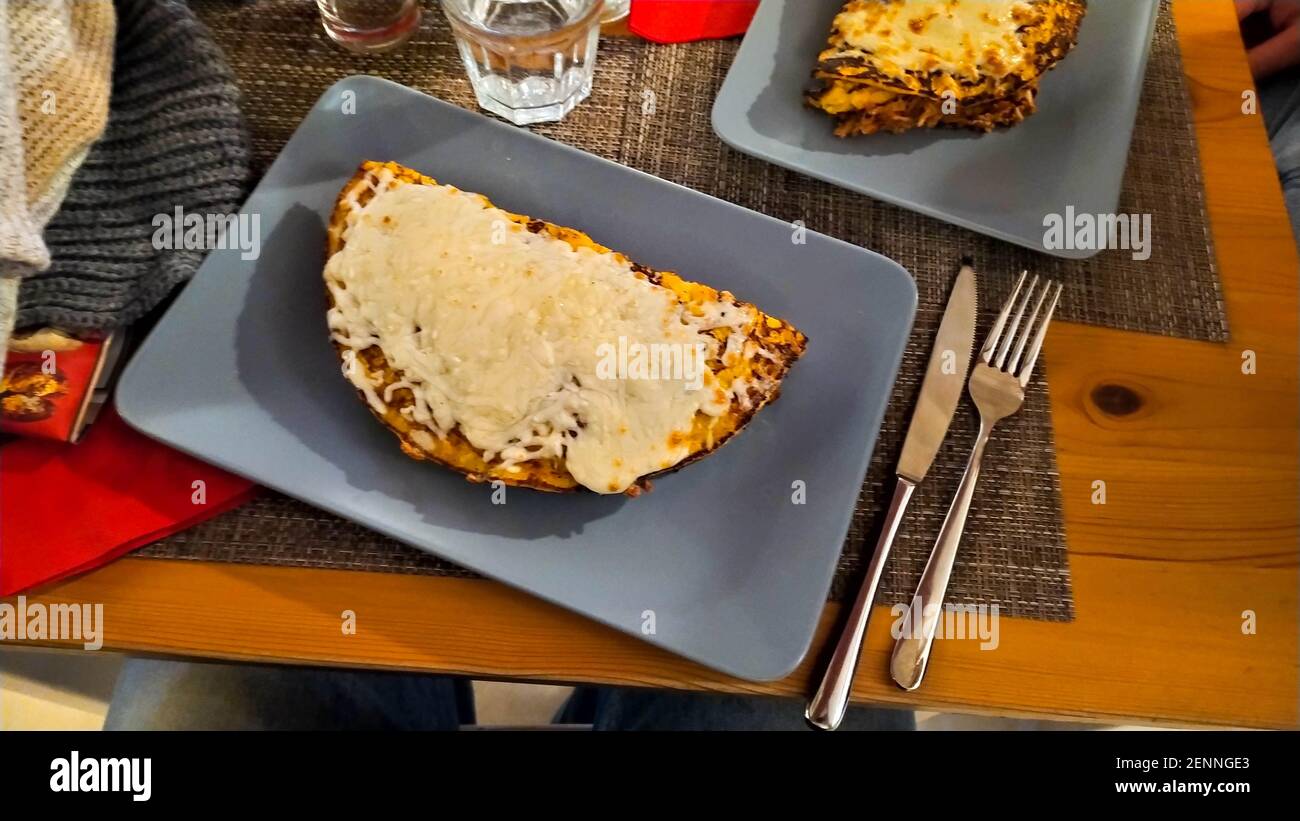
<point>368,26</point>
<point>615,10</point>
<point>529,61</point>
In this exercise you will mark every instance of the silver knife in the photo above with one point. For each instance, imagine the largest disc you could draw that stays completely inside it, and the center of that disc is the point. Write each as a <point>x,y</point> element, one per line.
<point>945,379</point>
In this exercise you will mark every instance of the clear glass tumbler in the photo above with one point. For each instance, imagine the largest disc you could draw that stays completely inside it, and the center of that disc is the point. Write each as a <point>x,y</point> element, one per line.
<point>529,61</point>
<point>615,10</point>
<point>368,26</point>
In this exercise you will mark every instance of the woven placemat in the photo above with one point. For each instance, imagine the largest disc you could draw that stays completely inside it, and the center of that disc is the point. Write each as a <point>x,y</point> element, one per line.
<point>650,110</point>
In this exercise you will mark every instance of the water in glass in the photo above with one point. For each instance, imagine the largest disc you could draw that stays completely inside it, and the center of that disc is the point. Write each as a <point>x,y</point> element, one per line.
<point>529,61</point>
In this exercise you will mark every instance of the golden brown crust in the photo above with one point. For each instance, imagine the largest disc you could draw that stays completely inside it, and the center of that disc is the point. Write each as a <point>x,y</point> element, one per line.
<point>782,343</point>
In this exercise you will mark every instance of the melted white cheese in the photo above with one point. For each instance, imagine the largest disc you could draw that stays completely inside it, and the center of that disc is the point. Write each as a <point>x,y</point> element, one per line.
<point>954,36</point>
<point>498,332</point>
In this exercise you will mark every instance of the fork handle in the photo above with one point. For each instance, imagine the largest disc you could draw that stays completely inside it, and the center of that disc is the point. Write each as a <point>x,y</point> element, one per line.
<point>826,709</point>
<point>912,651</point>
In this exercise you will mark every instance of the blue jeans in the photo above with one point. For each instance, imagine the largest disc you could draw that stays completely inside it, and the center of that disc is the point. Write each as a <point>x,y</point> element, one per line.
<point>154,694</point>
<point>1279,100</point>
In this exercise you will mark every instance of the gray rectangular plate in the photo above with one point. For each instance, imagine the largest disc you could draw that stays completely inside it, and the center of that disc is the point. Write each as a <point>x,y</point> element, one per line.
<point>717,563</point>
<point>1072,152</point>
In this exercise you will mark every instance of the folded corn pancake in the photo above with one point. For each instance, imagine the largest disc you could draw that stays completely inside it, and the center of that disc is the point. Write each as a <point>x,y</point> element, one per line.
<point>895,65</point>
<point>512,349</point>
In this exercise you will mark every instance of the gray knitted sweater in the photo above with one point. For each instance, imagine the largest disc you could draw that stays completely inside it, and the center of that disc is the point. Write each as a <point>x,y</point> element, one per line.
<point>175,137</point>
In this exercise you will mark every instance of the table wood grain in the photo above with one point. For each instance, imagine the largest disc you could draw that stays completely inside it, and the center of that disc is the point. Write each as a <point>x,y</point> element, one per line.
<point>1200,523</point>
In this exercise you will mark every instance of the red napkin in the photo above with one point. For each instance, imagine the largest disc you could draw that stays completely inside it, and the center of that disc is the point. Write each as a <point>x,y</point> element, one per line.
<point>65,509</point>
<point>681,21</point>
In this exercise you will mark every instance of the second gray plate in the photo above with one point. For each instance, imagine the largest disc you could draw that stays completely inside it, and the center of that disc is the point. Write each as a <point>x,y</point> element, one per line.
<point>727,562</point>
<point>1071,153</point>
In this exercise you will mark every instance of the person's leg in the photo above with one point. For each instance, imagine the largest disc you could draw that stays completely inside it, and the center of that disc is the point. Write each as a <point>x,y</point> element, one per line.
<point>153,694</point>
<point>609,708</point>
<point>1279,101</point>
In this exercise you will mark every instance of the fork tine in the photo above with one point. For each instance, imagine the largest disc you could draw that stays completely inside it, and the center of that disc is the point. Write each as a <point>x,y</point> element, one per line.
<point>1029,327</point>
<point>990,344</point>
<point>1028,370</point>
<point>1009,338</point>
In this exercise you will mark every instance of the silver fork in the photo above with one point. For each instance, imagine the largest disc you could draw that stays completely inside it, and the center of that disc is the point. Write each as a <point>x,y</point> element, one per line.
<point>998,388</point>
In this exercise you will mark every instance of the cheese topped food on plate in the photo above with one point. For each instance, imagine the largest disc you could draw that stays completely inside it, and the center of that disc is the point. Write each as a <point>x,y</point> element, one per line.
<point>514,350</point>
<point>895,65</point>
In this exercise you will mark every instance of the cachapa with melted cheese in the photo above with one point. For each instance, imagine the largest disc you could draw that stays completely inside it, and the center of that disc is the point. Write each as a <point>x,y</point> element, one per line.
<point>895,65</point>
<point>511,349</point>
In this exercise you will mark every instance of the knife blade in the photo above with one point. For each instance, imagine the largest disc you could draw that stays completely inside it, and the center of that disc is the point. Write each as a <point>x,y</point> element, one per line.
<point>945,379</point>
<point>941,389</point>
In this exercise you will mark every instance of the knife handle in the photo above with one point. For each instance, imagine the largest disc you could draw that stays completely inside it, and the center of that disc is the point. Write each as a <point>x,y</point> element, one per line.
<point>827,707</point>
<point>912,652</point>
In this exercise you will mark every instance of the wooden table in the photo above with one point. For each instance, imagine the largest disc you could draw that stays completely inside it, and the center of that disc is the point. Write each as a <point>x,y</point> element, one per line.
<point>1200,522</point>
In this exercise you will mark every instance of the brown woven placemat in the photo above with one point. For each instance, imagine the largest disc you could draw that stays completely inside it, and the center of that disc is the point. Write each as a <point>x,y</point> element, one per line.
<point>650,110</point>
